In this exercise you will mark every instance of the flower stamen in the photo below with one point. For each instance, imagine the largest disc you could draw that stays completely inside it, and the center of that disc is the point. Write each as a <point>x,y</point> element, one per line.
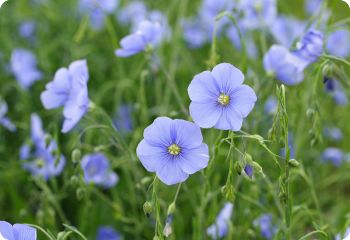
<point>224,99</point>
<point>174,149</point>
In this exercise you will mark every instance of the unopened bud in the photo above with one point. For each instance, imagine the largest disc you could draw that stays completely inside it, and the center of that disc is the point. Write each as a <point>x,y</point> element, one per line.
<point>76,156</point>
<point>147,208</point>
<point>293,162</point>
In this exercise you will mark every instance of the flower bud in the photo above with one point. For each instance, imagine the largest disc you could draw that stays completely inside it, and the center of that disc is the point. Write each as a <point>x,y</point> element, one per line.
<point>293,162</point>
<point>76,156</point>
<point>147,207</point>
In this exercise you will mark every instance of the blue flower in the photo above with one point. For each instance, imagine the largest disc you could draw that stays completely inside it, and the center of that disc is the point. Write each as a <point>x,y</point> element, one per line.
<point>194,33</point>
<point>123,120</point>
<point>248,169</point>
<point>97,10</point>
<point>233,35</point>
<point>43,160</point>
<point>148,35</point>
<point>310,47</point>
<point>287,29</point>
<point>346,235</point>
<point>336,90</point>
<point>173,149</point>
<point>333,133</point>
<point>133,13</point>
<point>333,155</point>
<point>97,170</point>
<point>287,67</point>
<point>338,43</point>
<point>27,29</point>
<point>264,222</point>
<point>69,89</point>
<point>16,232</point>
<point>107,233</point>
<point>220,228</point>
<point>4,121</point>
<point>24,67</point>
<point>219,99</point>
<point>271,105</point>
<point>258,13</point>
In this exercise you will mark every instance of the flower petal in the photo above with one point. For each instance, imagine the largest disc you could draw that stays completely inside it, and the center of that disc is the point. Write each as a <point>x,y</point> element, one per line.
<point>194,160</point>
<point>171,173</point>
<point>228,77</point>
<point>206,115</point>
<point>150,156</point>
<point>229,120</point>
<point>243,100</point>
<point>6,230</point>
<point>203,88</point>
<point>159,132</point>
<point>188,134</point>
<point>24,232</point>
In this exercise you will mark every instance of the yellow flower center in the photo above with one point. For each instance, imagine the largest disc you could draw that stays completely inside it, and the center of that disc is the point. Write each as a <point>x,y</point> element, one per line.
<point>39,163</point>
<point>223,99</point>
<point>174,149</point>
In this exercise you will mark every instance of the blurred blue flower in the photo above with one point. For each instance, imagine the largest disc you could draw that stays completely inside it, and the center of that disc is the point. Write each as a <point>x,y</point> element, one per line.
<point>16,232</point>
<point>338,43</point>
<point>335,89</point>
<point>264,223</point>
<point>220,99</point>
<point>257,13</point>
<point>24,67</point>
<point>107,233</point>
<point>149,34</point>
<point>27,29</point>
<point>97,10</point>
<point>173,149</point>
<point>5,121</point>
<point>248,169</point>
<point>287,29</point>
<point>233,34</point>
<point>69,89</point>
<point>194,33</point>
<point>97,170</point>
<point>220,228</point>
<point>44,159</point>
<point>123,120</point>
<point>313,6</point>
<point>271,105</point>
<point>333,155</point>
<point>345,236</point>
<point>333,133</point>
<point>310,46</point>
<point>133,13</point>
<point>287,67</point>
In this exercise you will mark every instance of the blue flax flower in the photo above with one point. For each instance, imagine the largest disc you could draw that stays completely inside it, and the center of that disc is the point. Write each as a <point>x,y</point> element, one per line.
<point>219,99</point>
<point>336,90</point>
<point>287,29</point>
<point>264,222</point>
<point>248,169</point>
<point>173,149</point>
<point>338,43</point>
<point>41,159</point>
<point>333,155</point>
<point>271,105</point>
<point>286,66</point>
<point>258,13</point>
<point>147,35</point>
<point>97,10</point>
<point>123,120</point>
<point>310,46</point>
<point>220,228</point>
<point>4,121</point>
<point>69,89</point>
<point>16,232</point>
<point>333,133</point>
<point>27,29</point>
<point>133,13</point>
<point>107,233</point>
<point>97,170</point>
<point>24,67</point>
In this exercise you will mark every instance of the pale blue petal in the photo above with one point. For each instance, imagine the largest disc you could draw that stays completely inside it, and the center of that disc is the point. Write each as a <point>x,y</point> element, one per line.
<point>203,88</point>
<point>206,115</point>
<point>159,132</point>
<point>243,100</point>
<point>6,230</point>
<point>24,232</point>
<point>150,156</point>
<point>230,119</point>
<point>227,77</point>
<point>193,160</point>
<point>171,173</point>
